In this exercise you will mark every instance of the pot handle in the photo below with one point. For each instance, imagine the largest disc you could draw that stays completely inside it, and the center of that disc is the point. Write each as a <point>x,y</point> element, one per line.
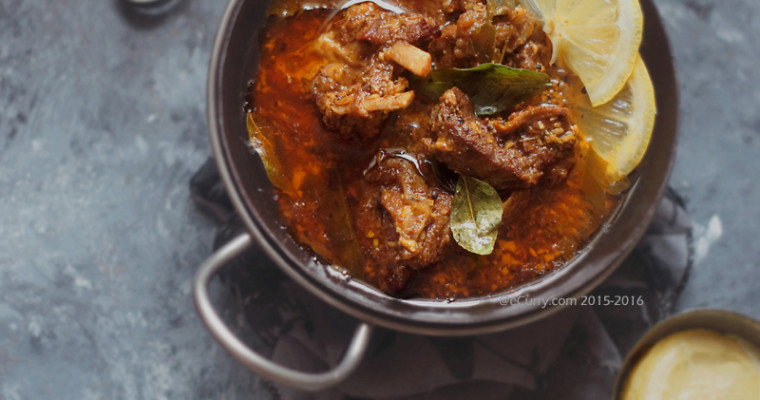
<point>252,360</point>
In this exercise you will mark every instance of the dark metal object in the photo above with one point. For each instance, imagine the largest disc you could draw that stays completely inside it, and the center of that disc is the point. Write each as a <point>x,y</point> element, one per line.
<point>234,62</point>
<point>253,361</point>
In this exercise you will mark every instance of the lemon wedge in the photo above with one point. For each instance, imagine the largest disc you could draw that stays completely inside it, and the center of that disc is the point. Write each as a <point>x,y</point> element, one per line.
<point>596,39</point>
<point>619,131</point>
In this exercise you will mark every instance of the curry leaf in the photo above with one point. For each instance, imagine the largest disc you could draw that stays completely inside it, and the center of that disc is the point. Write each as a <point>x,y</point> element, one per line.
<point>483,42</point>
<point>475,215</point>
<point>261,143</point>
<point>492,87</point>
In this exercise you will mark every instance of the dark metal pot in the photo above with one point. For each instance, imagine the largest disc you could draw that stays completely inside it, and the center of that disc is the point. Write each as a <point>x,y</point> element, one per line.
<point>233,64</point>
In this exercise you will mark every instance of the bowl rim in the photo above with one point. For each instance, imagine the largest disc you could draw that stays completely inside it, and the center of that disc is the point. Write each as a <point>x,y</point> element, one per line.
<point>461,317</point>
<point>721,321</point>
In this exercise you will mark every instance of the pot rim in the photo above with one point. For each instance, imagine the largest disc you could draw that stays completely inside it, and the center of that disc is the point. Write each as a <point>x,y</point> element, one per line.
<point>428,317</point>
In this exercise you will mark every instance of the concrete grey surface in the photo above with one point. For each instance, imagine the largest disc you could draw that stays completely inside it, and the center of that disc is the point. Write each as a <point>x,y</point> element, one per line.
<point>102,123</point>
<point>716,53</point>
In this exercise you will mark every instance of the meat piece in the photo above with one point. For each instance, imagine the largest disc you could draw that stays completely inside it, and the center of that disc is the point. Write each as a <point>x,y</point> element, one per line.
<point>525,117</point>
<point>370,23</point>
<point>535,54</point>
<point>347,53</point>
<point>466,43</point>
<point>514,30</point>
<point>358,100</point>
<point>362,85</point>
<point>420,213</point>
<point>535,144</point>
<point>511,36</point>
<point>404,222</point>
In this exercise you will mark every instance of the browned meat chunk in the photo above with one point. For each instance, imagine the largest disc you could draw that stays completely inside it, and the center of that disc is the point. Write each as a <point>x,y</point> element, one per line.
<point>535,143</point>
<point>481,35</point>
<point>361,85</point>
<point>368,22</point>
<point>403,221</point>
<point>357,101</point>
<point>466,43</point>
<point>535,54</point>
<point>520,41</point>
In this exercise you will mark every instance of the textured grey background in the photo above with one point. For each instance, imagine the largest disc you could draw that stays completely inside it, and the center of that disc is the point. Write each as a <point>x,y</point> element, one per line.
<point>102,123</point>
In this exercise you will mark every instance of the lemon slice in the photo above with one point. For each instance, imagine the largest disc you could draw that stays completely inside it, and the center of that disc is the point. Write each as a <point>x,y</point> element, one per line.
<point>597,39</point>
<point>619,130</point>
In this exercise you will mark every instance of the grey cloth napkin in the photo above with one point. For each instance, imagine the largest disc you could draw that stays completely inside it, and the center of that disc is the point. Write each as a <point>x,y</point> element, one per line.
<point>572,354</point>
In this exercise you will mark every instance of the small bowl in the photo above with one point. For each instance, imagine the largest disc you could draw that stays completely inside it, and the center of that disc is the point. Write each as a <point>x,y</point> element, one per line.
<point>720,321</point>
